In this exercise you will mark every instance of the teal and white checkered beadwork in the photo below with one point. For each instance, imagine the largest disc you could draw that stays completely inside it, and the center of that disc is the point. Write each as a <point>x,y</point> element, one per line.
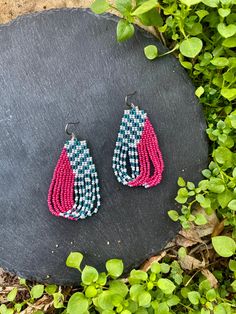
<point>74,191</point>
<point>129,135</point>
<point>86,189</point>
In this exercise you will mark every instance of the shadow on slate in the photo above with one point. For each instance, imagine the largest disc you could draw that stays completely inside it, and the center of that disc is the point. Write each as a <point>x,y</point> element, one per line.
<point>65,65</point>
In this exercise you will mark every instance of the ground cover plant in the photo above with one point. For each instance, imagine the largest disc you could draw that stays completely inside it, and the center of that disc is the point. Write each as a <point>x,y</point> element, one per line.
<point>196,273</point>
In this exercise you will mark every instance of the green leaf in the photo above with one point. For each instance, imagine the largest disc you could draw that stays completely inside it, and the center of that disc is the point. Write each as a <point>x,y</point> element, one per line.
<point>58,299</point>
<point>194,297</point>
<point>135,290</point>
<point>224,246</point>
<point>191,47</point>
<point>233,285</point>
<point>223,155</point>
<point>90,292</point>
<point>118,287</point>
<point>190,2</point>
<point>182,195</point>
<point>226,30</point>
<point>232,118</point>
<point>89,275</point>
<point>234,171</point>
<point>50,289</point>
<point>74,260</point>
<point>77,304</point>
<point>224,198</point>
<point>100,6</point>
<point>5,310</point>
<point>115,267</point>
<point>18,307</point>
<point>199,91</point>
<point>206,173</point>
<point>200,219</point>
<point>37,291</point>
<point>182,252</point>
<point>173,300</point>
<point>124,31</point>
<point>203,201</point>
<point>186,64</point>
<point>138,275</point>
<point>211,295</point>
<point>156,268</point>
<point>145,7</point>
<point>211,3</point>
<point>229,93</point>
<point>151,52</point>
<point>181,182</point>
<point>224,12</point>
<point>144,299</point>
<point>204,285</point>
<point>22,281</point>
<point>222,309</point>
<point>165,268</point>
<point>229,42</point>
<point>232,205</point>
<point>173,214</point>
<point>232,265</point>
<point>166,285</point>
<point>183,192</point>
<point>151,18</point>
<point>12,295</point>
<point>220,62</point>
<point>181,199</point>
<point>202,13</point>
<point>216,185</point>
<point>124,6</point>
<point>105,300</point>
<point>163,308</point>
<point>102,279</point>
<point>117,299</point>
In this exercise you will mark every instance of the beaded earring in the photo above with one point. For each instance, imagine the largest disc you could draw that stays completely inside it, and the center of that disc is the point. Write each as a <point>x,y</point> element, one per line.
<point>137,150</point>
<point>74,190</point>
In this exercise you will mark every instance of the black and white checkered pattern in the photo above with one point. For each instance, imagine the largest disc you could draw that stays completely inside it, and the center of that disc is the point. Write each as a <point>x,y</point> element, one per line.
<point>129,135</point>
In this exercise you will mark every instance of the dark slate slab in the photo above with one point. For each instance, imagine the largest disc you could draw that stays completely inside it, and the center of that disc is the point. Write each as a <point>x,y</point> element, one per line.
<point>66,65</point>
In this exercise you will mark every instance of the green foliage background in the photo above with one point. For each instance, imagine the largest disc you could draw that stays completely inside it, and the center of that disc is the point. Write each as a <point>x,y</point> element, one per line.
<point>202,35</point>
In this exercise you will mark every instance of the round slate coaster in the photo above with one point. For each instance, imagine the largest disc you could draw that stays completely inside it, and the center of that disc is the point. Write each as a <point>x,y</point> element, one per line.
<point>65,65</point>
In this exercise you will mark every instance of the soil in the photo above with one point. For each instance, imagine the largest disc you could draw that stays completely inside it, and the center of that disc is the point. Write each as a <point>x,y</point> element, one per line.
<point>10,9</point>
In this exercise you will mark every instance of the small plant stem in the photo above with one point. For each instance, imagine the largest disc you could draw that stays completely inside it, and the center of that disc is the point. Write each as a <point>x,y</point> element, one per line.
<point>206,38</point>
<point>186,306</point>
<point>170,51</point>
<point>160,36</point>
<point>187,283</point>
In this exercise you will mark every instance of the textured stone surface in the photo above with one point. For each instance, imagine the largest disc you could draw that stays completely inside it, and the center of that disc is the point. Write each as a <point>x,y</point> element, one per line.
<point>66,65</point>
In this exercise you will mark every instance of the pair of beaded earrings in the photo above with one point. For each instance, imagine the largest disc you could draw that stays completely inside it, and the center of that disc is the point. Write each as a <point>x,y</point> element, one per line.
<point>137,161</point>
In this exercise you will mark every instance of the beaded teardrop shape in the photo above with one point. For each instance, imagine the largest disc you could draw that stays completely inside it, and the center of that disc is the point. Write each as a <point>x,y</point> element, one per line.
<point>137,145</point>
<point>74,190</point>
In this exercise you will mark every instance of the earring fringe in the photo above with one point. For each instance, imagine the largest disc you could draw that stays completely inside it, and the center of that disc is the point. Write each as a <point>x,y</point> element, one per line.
<point>138,142</point>
<point>74,190</point>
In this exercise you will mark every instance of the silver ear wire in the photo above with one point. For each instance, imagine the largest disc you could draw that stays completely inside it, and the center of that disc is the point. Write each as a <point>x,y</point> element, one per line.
<point>66,128</point>
<point>127,102</point>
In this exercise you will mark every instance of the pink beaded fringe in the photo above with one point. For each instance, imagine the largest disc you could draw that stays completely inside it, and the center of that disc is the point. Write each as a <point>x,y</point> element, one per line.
<point>60,195</point>
<point>148,151</point>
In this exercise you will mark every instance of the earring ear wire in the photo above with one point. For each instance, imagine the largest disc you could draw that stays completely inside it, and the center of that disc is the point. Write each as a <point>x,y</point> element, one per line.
<point>66,128</point>
<point>127,102</point>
